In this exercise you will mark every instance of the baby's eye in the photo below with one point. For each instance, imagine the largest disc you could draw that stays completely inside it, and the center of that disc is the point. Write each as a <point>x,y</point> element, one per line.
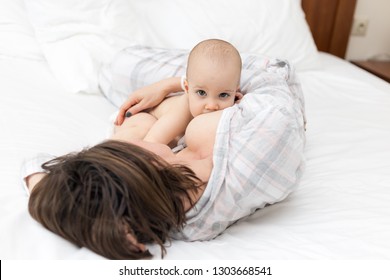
<point>201,92</point>
<point>224,95</point>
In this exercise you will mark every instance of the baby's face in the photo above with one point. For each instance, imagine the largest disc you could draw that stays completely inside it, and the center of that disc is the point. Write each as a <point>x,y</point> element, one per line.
<point>211,86</point>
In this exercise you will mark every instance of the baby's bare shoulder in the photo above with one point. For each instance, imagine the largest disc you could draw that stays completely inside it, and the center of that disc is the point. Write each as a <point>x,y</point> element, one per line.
<point>172,105</point>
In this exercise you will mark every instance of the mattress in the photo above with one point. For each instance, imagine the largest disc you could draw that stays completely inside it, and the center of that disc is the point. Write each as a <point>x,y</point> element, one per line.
<point>340,209</point>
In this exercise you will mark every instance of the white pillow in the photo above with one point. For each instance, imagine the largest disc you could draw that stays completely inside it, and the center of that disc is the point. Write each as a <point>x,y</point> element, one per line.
<point>276,28</point>
<point>17,38</point>
<point>77,37</point>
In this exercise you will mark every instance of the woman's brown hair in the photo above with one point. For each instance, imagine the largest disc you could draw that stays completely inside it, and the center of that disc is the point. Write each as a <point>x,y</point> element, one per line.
<point>95,197</point>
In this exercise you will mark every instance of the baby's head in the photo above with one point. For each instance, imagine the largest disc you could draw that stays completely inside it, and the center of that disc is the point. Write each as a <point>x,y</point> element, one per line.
<point>213,76</point>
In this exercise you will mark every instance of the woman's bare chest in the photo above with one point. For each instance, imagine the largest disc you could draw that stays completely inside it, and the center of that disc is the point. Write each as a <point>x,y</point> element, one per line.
<point>200,135</point>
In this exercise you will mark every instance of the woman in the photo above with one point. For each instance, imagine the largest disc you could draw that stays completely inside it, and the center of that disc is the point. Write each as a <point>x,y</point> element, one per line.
<point>119,195</point>
<point>112,186</point>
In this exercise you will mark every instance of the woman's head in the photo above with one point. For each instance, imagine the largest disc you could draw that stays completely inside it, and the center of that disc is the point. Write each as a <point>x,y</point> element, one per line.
<point>112,198</point>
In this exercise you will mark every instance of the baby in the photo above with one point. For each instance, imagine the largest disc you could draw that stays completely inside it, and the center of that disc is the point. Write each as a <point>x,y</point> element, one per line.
<point>211,84</point>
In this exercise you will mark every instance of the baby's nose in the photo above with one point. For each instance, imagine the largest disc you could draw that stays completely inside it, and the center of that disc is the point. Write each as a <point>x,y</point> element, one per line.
<point>212,106</point>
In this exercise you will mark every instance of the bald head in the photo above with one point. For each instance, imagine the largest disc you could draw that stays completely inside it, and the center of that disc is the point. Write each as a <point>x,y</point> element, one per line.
<point>215,51</point>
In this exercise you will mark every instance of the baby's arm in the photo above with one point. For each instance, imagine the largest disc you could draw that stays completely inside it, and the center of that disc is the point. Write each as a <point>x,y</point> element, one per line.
<point>167,128</point>
<point>172,123</point>
<point>134,128</point>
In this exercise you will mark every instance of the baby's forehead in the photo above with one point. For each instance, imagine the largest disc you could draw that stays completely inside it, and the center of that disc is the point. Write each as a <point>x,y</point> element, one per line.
<point>216,57</point>
<point>215,63</point>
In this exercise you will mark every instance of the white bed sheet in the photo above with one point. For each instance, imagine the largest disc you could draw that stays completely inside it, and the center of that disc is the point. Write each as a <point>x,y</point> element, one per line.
<point>341,209</point>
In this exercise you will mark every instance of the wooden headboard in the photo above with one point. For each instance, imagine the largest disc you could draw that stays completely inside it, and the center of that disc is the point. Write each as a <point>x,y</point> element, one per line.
<point>330,22</point>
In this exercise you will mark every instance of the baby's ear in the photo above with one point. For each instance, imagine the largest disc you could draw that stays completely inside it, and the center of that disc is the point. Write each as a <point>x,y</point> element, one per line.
<point>185,85</point>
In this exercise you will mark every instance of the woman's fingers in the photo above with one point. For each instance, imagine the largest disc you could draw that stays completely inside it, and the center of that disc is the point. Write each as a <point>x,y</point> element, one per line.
<point>123,110</point>
<point>135,109</point>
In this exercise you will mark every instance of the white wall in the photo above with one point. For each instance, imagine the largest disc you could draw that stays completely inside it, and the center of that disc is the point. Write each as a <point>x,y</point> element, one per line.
<point>377,39</point>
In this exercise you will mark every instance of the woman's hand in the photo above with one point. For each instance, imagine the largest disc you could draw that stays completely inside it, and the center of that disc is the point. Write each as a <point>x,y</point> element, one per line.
<point>33,179</point>
<point>147,97</point>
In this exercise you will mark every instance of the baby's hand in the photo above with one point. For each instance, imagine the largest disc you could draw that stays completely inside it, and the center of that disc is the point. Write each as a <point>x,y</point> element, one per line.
<point>238,97</point>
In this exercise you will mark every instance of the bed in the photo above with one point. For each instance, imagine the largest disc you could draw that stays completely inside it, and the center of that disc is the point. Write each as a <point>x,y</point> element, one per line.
<point>50,101</point>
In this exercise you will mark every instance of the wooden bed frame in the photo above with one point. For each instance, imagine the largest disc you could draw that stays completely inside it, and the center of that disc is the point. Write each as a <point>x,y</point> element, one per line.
<point>330,22</point>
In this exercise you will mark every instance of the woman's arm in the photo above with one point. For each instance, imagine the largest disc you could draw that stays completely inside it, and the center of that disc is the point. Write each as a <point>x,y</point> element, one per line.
<point>33,179</point>
<point>148,97</point>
